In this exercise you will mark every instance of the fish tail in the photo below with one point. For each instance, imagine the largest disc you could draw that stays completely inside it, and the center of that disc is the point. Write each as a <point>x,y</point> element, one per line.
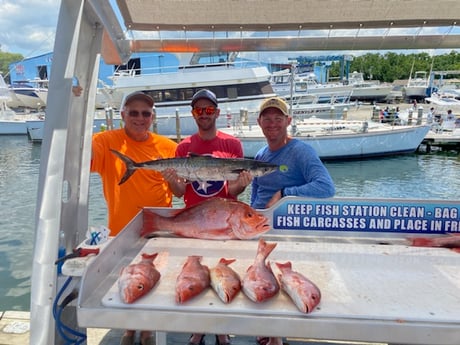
<point>286,265</point>
<point>266,248</point>
<point>130,166</point>
<point>149,223</point>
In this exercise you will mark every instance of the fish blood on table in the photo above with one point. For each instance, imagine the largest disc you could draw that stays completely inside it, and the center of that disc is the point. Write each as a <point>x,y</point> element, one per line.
<point>225,281</point>
<point>200,168</point>
<point>212,219</point>
<point>136,280</point>
<point>259,283</point>
<point>303,292</point>
<point>192,280</point>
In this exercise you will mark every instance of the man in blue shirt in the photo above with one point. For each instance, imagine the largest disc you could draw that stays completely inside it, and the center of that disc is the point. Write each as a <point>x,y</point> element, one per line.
<point>301,171</point>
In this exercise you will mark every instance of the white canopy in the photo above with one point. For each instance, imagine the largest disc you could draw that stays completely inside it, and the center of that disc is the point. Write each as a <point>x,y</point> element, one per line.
<point>277,25</point>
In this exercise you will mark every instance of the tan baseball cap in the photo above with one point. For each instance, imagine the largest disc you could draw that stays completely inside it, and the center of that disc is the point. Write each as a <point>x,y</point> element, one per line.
<point>274,102</point>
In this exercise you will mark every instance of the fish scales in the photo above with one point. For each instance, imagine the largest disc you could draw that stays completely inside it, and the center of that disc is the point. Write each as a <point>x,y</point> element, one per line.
<point>302,291</point>
<point>137,279</point>
<point>211,219</point>
<point>193,279</point>
<point>259,283</point>
<point>225,281</point>
<point>199,168</point>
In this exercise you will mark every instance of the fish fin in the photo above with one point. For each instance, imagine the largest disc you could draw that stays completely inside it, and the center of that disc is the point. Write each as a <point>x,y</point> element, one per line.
<point>129,166</point>
<point>226,261</point>
<point>149,256</point>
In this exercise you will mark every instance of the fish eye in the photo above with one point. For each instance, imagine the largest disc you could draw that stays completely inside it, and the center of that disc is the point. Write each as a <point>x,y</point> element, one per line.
<point>140,287</point>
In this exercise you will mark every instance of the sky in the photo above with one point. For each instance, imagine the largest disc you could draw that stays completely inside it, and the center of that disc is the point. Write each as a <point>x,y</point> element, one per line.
<point>28,27</point>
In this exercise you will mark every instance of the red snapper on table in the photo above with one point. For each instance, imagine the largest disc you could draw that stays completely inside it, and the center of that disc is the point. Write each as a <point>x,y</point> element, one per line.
<point>259,283</point>
<point>225,281</point>
<point>137,279</point>
<point>212,219</point>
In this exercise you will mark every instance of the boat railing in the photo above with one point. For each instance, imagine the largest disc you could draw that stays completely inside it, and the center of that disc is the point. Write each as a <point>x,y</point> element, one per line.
<point>133,72</point>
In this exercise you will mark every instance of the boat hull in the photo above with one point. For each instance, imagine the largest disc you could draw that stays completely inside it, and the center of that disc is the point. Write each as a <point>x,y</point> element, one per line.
<point>35,128</point>
<point>390,140</point>
<point>416,91</point>
<point>13,127</point>
<point>28,98</point>
<point>377,93</point>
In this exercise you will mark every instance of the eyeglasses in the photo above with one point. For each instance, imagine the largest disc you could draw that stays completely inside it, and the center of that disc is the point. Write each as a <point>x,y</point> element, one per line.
<point>135,113</point>
<point>199,111</point>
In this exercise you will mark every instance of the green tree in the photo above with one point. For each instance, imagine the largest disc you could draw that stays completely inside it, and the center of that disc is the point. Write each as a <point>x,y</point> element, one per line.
<point>5,60</point>
<point>391,66</point>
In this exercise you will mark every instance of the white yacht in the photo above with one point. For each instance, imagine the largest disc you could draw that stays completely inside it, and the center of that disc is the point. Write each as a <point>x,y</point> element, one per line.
<point>239,86</point>
<point>417,86</point>
<point>368,90</point>
<point>307,89</point>
<point>28,94</point>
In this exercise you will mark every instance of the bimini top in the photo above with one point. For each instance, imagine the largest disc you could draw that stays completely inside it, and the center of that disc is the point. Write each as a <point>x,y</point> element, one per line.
<point>275,25</point>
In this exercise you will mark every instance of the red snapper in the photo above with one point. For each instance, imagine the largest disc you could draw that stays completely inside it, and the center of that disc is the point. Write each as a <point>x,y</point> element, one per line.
<point>225,281</point>
<point>192,280</point>
<point>212,219</point>
<point>259,282</point>
<point>303,292</point>
<point>136,280</point>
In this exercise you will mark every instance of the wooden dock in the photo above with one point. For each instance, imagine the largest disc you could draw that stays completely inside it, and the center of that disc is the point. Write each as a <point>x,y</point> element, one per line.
<point>443,141</point>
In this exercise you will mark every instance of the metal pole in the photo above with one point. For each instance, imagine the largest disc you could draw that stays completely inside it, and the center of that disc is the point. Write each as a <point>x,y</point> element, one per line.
<point>178,125</point>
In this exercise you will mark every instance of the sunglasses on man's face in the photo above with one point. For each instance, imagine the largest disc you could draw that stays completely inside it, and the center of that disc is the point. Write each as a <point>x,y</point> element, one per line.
<point>207,110</point>
<point>135,113</point>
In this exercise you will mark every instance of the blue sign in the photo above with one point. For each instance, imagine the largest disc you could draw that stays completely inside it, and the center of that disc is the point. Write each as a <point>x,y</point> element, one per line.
<point>400,216</point>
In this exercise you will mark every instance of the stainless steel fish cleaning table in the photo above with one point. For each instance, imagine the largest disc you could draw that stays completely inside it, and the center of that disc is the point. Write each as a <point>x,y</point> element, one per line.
<point>374,287</point>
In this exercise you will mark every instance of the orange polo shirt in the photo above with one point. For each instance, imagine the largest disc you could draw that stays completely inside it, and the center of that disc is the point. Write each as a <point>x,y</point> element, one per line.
<point>145,188</point>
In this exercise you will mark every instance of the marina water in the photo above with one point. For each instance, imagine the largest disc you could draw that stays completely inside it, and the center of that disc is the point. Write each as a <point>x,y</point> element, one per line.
<point>414,176</point>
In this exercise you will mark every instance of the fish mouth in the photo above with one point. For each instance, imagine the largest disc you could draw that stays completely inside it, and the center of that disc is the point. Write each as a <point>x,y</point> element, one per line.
<point>263,226</point>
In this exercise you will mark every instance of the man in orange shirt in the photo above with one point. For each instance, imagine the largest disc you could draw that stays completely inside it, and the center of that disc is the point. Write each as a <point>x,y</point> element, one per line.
<point>146,188</point>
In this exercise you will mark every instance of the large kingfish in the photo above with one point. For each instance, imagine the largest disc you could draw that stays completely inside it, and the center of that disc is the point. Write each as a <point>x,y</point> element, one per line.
<point>225,281</point>
<point>212,219</point>
<point>138,279</point>
<point>259,283</point>
<point>192,280</point>
<point>303,292</point>
<point>199,168</point>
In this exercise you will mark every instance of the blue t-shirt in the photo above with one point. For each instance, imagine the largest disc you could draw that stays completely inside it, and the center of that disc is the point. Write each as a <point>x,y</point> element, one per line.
<point>301,173</point>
